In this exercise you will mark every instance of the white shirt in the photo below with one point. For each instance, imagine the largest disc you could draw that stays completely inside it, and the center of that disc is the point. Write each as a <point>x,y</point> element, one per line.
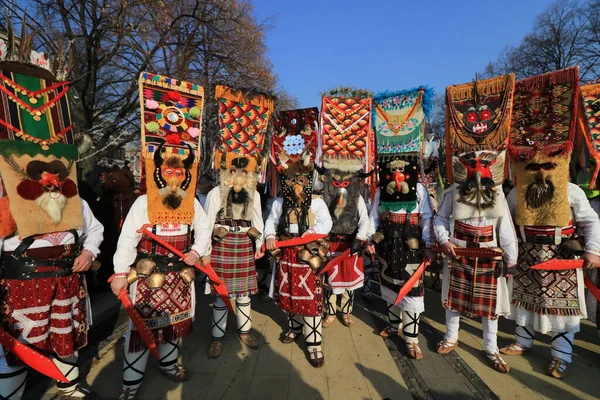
<point>583,214</point>
<point>423,208</point>
<point>322,224</point>
<point>202,199</point>
<point>90,235</point>
<point>213,206</point>
<point>138,216</point>
<point>505,230</point>
<point>364,222</point>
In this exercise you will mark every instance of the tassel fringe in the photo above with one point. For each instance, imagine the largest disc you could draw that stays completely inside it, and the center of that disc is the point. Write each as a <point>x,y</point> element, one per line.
<point>546,310</point>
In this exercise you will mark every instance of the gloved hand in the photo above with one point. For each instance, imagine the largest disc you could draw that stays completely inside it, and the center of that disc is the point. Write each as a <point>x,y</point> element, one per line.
<point>356,246</point>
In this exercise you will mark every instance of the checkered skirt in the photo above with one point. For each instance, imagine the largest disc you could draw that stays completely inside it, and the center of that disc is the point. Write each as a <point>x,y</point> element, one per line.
<point>233,261</point>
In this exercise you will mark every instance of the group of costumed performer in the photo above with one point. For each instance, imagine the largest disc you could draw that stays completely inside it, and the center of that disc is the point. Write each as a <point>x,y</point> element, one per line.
<point>234,209</point>
<point>298,286</point>
<point>347,157</point>
<point>550,214</point>
<point>160,282</point>
<point>474,213</point>
<point>48,235</point>
<point>402,213</point>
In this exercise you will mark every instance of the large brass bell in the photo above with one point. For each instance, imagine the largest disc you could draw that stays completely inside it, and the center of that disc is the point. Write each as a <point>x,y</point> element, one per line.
<point>132,276</point>
<point>155,280</point>
<point>315,262</point>
<point>219,233</point>
<point>144,267</point>
<point>313,247</point>
<point>187,274</point>
<point>323,251</point>
<point>304,255</point>
<point>412,243</point>
<point>275,253</point>
<point>377,237</point>
<point>253,233</point>
<point>499,256</point>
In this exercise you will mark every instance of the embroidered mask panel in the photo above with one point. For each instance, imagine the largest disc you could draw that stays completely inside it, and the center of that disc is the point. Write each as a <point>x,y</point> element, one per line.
<point>398,177</point>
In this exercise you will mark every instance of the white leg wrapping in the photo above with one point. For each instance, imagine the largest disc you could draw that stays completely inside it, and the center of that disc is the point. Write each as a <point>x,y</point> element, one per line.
<point>562,346</point>
<point>219,320</point>
<point>168,352</point>
<point>524,336</point>
<point>244,315</point>
<point>295,323</point>
<point>452,325</point>
<point>12,380</point>
<point>70,369</point>
<point>134,366</point>
<point>347,304</point>
<point>410,326</point>
<point>313,334</point>
<point>330,302</point>
<point>490,335</point>
<point>394,315</point>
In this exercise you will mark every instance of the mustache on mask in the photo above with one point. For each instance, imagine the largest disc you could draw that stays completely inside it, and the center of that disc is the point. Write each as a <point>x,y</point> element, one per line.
<point>539,193</point>
<point>172,200</point>
<point>480,196</point>
<point>53,204</point>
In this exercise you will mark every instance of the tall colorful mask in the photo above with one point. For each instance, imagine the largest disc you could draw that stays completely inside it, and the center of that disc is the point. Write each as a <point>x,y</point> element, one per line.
<point>545,114</point>
<point>399,125</point>
<point>293,152</point>
<point>243,122</point>
<point>37,150</point>
<point>171,134</point>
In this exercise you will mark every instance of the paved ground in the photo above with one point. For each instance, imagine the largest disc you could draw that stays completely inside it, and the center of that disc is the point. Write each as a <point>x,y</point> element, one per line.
<point>359,364</point>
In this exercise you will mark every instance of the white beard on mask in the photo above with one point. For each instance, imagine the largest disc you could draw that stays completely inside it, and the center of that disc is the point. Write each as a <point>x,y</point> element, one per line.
<point>52,204</point>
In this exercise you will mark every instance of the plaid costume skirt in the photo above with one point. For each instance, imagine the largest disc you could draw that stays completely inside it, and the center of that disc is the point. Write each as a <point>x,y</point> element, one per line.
<point>348,274</point>
<point>473,281</point>
<point>233,261</point>
<point>48,314</point>
<point>397,262</point>
<point>297,288</point>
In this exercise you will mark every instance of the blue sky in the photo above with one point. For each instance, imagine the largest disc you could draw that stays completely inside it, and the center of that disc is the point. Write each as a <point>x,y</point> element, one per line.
<point>387,44</point>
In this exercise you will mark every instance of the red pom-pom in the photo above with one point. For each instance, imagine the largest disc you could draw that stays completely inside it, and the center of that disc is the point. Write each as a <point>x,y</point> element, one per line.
<point>30,189</point>
<point>69,189</point>
<point>174,96</point>
<point>173,139</point>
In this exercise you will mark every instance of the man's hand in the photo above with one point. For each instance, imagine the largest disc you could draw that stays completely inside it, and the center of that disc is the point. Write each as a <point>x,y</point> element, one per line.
<point>448,249</point>
<point>370,249</point>
<point>271,244</point>
<point>309,232</point>
<point>191,258</point>
<point>205,260</point>
<point>117,284</point>
<point>83,262</point>
<point>591,261</point>
<point>509,269</point>
<point>258,254</point>
<point>428,254</point>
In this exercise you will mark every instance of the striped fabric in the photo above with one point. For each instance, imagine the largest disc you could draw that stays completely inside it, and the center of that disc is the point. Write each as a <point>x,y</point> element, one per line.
<point>180,242</point>
<point>400,218</point>
<point>233,261</point>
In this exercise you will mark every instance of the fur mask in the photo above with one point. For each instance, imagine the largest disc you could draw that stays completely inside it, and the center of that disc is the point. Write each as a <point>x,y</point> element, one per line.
<point>172,177</point>
<point>237,188</point>
<point>542,183</point>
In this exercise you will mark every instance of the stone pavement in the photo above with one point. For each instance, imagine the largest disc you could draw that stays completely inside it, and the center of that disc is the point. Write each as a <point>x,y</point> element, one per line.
<point>358,364</point>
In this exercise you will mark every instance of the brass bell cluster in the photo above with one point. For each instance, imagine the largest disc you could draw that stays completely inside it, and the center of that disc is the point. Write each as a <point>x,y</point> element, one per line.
<point>220,232</point>
<point>314,253</point>
<point>146,269</point>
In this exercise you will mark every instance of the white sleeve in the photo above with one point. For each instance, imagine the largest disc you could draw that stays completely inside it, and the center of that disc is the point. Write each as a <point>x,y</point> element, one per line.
<point>586,218</point>
<point>128,240</point>
<point>257,220</point>
<point>374,215</point>
<point>507,237</point>
<point>92,230</point>
<point>323,221</point>
<point>212,206</point>
<point>363,220</point>
<point>202,231</point>
<point>273,219</point>
<point>425,215</point>
<point>441,222</point>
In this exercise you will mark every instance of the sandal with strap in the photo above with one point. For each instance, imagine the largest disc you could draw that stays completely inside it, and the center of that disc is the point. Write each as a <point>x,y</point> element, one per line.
<point>215,349</point>
<point>446,346</point>
<point>514,349</point>
<point>557,368</point>
<point>328,321</point>
<point>175,373</point>
<point>316,358</point>
<point>128,394</point>
<point>414,351</point>
<point>389,331</point>
<point>289,337</point>
<point>347,320</point>
<point>78,393</point>
<point>496,362</point>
